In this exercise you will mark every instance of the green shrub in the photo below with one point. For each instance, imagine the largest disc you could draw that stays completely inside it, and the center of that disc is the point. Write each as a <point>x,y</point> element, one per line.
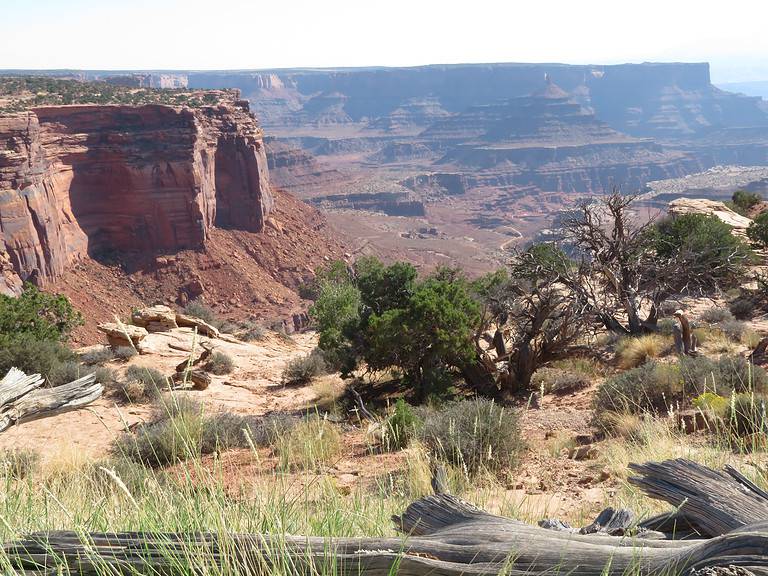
<point>33,356</point>
<point>721,376</point>
<point>557,381</point>
<point>67,372</point>
<point>401,426</point>
<point>758,230</point>
<point>38,314</point>
<point>199,309</point>
<point>97,356</point>
<point>716,315</point>
<point>143,383</point>
<point>124,352</point>
<point>180,430</point>
<point>476,434</point>
<point>652,387</point>
<point>733,328</point>
<point>251,332</point>
<point>18,463</point>
<point>742,307</point>
<point>666,326</point>
<point>747,415</point>
<point>303,369</point>
<point>220,364</point>
<point>742,201</point>
<point>709,401</point>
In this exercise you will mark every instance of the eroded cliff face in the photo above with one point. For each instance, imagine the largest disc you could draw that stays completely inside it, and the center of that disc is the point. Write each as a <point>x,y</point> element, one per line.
<point>90,180</point>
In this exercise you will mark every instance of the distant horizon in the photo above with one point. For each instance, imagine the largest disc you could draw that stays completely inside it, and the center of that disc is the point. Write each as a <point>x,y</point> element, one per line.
<point>65,70</point>
<point>172,35</point>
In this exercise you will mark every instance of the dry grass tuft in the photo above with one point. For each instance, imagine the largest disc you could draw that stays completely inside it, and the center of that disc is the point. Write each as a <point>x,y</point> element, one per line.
<point>310,443</point>
<point>632,352</point>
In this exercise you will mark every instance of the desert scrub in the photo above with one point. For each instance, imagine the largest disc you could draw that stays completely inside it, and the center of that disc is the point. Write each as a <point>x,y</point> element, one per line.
<point>250,331</point>
<point>303,369</point>
<point>124,352</point>
<point>652,387</point>
<point>721,376</point>
<point>478,435</point>
<point>96,356</point>
<point>746,415</point>
<point>557,381</point>
<point>716,315</point>
<point>18,463</point>
<point>308,444</point>
<point>220,364</point>
<point>634,351</point>
<point>401,426</point>
<point>180,430</point>
<point>142,384</point>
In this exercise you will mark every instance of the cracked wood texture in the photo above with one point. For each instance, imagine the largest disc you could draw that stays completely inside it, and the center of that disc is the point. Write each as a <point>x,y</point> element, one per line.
<point>441,535</point>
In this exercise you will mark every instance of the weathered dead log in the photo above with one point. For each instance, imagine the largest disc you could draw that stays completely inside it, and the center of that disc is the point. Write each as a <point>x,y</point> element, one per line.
<point>23,399</point>
<point>443,536</point>
<point>447,537</point>
<point>709,501</point>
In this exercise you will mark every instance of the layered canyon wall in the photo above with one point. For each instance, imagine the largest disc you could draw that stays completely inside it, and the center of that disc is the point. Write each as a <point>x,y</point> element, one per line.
<point>89,180</point>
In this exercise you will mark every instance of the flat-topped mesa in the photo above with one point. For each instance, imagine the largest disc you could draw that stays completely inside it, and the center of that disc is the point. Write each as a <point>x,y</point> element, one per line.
<point>93,179</point>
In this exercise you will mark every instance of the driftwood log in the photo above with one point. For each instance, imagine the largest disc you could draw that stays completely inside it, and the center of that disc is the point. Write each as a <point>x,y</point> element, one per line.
<point>22,397</point>
<point>442,536</point>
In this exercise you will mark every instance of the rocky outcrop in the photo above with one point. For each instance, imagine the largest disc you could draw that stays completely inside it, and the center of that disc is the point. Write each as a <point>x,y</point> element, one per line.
<point>93,180</point>
<point>738,222</point>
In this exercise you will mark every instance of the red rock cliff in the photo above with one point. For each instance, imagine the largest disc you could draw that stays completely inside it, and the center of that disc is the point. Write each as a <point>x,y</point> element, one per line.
<point>79,180</point>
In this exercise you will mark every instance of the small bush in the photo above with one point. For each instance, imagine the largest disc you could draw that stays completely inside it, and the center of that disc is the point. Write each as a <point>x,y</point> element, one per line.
<point>220,364</point>
<point>747,415</point>
<point>652,387</point>
<point>666,326</point>
<point>18,463</point>
<point>721,376</point>
<point>142,384</point>
<point>743,307</point>
<point>309,443</point>
<point>303,369</point>
<point>97,356</point>
<point>251,332</point>
<point>124,352</point>
<point>732,328</point>
<point>401,426</point>
<point>580,365</point>
<point>67,372</point>
<point>33,356</point>
<point>716,315</point>
<point>198,309</point>
<point>758,230</point>
<point>556,381</point>
<point>173,435</point>
<point>180,430</point>
<point>711,402</point>
<point>633,352</point>
<point>476,434</point>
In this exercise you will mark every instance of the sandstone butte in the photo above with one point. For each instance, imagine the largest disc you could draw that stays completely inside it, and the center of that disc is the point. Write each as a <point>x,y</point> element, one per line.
<point>87,179</point>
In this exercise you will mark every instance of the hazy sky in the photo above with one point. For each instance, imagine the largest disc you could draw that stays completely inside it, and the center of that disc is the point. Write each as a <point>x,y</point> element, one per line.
<point>196,34</point>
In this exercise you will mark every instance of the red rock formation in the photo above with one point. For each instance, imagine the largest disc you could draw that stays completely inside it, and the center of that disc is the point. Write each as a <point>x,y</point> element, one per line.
<point>84,180</point>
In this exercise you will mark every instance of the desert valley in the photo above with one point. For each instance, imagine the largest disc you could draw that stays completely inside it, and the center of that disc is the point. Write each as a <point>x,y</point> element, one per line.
<point>504,318</point>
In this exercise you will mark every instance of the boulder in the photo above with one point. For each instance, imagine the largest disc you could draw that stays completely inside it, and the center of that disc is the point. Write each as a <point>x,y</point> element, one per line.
<point>155,318</point>
<point>738,222</point>
<point>123,334</point>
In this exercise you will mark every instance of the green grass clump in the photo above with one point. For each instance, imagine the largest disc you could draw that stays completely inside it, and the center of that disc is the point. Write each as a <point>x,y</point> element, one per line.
<point>478,435</point>
<point>18,463</point>
<point>180,430</point>
<point>401,426</point>
<point>308,444</point>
